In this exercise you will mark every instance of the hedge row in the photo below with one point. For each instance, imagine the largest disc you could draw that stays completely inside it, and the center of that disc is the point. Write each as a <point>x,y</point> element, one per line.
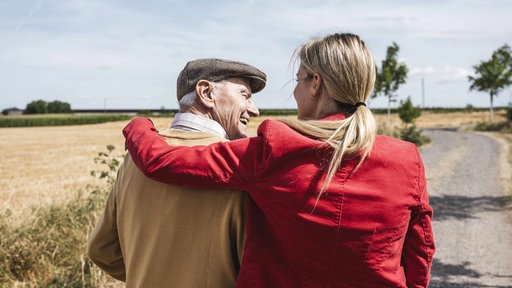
<point>60,120</point>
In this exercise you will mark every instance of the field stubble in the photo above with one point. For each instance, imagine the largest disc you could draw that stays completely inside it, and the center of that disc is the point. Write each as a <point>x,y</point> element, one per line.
<point>43,165</point>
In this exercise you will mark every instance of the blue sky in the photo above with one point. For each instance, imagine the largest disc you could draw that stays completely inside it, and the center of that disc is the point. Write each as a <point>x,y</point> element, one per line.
<point>118,54</point>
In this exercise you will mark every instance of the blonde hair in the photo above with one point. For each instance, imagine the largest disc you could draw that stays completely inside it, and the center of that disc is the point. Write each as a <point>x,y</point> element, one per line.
<point>346,67</point>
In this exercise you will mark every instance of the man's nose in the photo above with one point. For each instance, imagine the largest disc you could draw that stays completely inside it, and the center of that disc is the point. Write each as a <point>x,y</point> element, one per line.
<point>252,109</point>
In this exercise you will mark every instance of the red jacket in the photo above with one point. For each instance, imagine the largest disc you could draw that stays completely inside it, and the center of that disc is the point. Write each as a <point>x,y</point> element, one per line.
<point>371,229</point>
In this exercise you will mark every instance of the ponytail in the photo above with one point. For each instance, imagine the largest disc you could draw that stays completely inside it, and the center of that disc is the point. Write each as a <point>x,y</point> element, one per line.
<point>347,69</point>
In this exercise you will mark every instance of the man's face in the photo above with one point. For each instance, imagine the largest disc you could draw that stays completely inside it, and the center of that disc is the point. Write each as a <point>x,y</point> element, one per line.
<point>233,106</point>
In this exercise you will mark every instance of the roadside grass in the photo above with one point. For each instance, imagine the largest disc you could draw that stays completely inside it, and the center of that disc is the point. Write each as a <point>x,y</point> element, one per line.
<point>502,127</point>
<point>506,161</point>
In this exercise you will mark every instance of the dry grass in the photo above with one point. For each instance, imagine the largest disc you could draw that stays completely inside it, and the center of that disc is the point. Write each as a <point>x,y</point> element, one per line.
<point>452,119</point>
<point>44,165</point>
<point>49,164</point>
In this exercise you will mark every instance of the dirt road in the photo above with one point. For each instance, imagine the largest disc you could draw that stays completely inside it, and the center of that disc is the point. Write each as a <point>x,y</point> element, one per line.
<point>472,211</point>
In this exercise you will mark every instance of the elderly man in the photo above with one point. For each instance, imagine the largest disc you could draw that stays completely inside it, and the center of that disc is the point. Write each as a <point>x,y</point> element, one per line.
<point>157,235</point>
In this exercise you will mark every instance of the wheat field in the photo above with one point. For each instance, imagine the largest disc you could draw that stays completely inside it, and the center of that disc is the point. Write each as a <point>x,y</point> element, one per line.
<point>42,165</point>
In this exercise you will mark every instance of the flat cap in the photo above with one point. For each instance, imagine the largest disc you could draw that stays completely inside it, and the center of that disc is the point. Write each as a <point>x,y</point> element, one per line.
<point>213,69</point>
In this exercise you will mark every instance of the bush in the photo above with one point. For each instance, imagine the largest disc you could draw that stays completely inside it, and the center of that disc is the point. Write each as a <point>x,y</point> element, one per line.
<point>42,107</point>
<point>56,107</point>
<point>503,127</point>
<point>36,107</point>
<point>408,114</point>
<point>48,249</point>
<point>413,135</point>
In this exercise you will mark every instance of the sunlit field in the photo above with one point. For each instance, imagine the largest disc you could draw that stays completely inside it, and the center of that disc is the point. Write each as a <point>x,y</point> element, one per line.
<point>42,165</point>
<point>50,201</point>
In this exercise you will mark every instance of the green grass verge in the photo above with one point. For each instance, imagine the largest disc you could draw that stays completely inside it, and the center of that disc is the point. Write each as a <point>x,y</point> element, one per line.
<point>60,119</point>
<point>502,127</point>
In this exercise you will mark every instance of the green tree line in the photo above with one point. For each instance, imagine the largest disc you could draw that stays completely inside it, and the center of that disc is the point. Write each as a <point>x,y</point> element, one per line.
<point>43,107</point>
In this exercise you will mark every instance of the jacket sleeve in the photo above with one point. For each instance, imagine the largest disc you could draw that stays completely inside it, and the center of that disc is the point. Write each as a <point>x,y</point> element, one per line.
<point>212,166</point>
<point>103,246</point>
<point>419,245</point>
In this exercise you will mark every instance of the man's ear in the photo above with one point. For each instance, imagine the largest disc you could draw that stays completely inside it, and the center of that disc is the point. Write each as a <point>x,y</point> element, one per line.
<point>204,93</point>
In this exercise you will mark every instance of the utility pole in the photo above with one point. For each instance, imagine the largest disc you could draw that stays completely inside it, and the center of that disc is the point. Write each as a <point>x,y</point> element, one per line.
<point>423,92</point>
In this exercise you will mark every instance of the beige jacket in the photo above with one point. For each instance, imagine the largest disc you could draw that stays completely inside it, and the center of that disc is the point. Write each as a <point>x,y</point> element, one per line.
<point>157,235</point>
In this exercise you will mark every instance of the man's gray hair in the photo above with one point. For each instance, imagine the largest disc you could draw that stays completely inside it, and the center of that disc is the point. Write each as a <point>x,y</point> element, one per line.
<point>187,100</point>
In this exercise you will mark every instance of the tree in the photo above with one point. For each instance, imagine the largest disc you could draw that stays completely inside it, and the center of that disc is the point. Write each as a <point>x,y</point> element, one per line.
<point>36,107</point>
<point>390,76</point>
<point>41,107</point>
<point>408,114</point>
<point>59,107</point>
<point>493,75</point>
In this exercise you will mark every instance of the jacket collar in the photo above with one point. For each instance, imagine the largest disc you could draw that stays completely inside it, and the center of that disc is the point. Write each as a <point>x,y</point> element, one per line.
<point>335,117</point>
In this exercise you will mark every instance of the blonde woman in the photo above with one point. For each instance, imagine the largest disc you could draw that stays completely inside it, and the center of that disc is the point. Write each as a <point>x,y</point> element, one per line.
<point>332,203</point>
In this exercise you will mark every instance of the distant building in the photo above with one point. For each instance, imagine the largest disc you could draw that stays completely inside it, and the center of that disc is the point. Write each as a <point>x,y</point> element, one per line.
<point>12,111</point>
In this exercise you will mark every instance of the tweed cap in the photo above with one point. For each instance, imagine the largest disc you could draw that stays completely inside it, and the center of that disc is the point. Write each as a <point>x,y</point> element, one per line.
<point>215,70</point>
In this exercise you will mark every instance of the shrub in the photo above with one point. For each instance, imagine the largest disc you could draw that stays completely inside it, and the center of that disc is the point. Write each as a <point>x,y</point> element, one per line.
<point>48,248</point>
<point>383,129</point>
<point>413,135</point>
<point>36,107</point>
<point>56,107</point>
<point>504,127</point>
<point>408,114</point>
<point>43,107</point>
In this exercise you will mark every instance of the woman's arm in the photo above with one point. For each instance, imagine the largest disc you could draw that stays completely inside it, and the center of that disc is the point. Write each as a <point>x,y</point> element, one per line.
<point>419,245</point>
<point>220,165</point>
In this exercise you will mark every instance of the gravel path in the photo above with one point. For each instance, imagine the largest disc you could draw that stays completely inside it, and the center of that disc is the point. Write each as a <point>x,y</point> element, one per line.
<point>472,212</point>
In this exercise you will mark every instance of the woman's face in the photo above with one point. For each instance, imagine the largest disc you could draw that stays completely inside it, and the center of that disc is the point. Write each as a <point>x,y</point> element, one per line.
<point>303,95</point>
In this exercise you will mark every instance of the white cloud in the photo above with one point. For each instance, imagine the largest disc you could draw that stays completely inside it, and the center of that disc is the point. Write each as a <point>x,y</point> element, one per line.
<point>454,73</point>
<point>125,51</point>
<point>445,73</point>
